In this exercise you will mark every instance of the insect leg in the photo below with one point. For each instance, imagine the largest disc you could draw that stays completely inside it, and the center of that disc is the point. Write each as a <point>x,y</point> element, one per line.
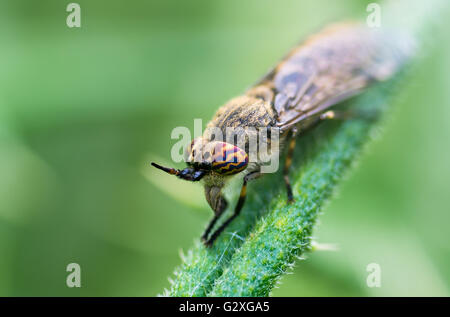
<point>288,163</point>
<point>237,209</point>
<point>211,225</point>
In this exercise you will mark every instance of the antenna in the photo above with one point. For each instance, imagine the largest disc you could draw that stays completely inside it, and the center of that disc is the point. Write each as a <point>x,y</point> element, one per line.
<point>168,170</point>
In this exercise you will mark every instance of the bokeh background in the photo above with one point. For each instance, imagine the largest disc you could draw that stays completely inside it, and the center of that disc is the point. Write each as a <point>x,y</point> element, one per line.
<point>82,111</point>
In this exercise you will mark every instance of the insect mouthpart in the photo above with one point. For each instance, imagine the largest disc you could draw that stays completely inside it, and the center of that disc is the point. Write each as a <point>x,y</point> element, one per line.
<point>189,173</point>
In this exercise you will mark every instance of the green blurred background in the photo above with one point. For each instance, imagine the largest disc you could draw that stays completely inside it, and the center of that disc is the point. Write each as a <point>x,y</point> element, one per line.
<point>82,111</point>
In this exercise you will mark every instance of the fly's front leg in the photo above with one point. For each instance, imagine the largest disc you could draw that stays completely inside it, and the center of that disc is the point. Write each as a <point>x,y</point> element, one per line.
<point>288,164</point>
<point>237,209</point>
<point>219,204</point>
<point>213,222</point>
<point>210,225</point>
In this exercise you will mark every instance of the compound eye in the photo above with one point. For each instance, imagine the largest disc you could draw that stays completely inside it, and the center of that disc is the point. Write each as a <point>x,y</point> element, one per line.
<point>228,159</point>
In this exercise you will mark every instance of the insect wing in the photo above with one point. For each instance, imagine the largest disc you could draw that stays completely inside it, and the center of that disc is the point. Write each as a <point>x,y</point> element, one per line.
<point>330,67</point>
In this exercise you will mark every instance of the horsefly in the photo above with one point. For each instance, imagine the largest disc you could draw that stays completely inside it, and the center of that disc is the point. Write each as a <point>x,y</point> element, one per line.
<point>296,95</point>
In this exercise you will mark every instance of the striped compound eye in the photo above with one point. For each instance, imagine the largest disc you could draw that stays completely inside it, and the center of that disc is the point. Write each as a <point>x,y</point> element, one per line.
<point>228,159</point>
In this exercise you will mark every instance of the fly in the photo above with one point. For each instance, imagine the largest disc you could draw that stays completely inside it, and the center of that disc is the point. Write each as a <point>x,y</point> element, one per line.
<point>298,93</point>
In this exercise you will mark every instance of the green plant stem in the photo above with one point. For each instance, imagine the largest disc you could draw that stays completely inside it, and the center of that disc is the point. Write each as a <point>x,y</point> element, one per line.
<point>285,233</point>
